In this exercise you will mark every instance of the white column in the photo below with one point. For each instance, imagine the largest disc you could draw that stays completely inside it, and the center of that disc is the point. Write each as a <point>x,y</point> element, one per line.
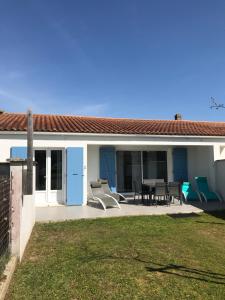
<point>170,163</point>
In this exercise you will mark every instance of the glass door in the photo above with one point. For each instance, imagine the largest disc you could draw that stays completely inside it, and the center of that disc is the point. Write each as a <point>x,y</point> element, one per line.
<point>55,184</point>
<point>128,170</point>
<point>40,159</point>
<point>155,165</point>
<point>49,177</point>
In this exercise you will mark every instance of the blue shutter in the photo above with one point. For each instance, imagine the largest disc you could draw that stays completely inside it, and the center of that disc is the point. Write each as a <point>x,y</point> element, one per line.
<point>74,176</point>
<point>180,172</point>
<point>108,166</point>
<point>18,152</point>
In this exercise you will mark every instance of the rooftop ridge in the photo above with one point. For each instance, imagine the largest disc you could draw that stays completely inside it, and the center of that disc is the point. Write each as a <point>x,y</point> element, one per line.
<point>115,118</point>
<point>116,126</point>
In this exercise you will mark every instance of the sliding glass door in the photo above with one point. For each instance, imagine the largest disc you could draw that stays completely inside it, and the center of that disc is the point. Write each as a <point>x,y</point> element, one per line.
<point>155,165</point>
<point>138,165</point>
<point>128,170</point>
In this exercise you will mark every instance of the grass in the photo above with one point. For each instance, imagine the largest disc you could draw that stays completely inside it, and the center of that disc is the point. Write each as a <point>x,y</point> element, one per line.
<point>3,261</point>
<point>157,257</point>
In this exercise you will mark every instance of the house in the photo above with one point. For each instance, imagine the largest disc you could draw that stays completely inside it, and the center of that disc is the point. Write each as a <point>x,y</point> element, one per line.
<point>71,151</point>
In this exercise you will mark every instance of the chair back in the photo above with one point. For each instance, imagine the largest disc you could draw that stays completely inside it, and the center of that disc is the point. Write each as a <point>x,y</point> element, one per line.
<point>160,189</point>
<point>186,188</point>
<point>105,185</point>
<point>96,188</point>
<point>202,184</point>
<point>174,189</point>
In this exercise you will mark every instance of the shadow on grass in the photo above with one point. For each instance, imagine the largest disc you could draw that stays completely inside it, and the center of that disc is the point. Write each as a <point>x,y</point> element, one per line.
<point>170,269</point>
<point>218,214</point>
<point>183,216</point>
<point>213,223</point>
<point>190,273</point>
<point>183,271</point>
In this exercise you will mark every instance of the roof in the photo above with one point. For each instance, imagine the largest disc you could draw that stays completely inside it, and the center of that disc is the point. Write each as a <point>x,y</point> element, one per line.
<point>97,125</point>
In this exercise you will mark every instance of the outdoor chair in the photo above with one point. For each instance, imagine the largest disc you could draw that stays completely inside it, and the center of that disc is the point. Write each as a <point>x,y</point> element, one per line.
<point>203,188</point>
<point>174,191</point>
<point>107,190</point>
<point>160,193</point>
<point>189,194</point>
<point>138,191</point>
<point>99,195</point>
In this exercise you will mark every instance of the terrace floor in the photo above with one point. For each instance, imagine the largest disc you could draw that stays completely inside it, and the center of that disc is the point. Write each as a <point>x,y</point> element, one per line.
<point>62,213</point>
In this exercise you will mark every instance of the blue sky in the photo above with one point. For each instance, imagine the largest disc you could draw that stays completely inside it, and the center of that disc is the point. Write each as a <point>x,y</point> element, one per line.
<point>118,58</point>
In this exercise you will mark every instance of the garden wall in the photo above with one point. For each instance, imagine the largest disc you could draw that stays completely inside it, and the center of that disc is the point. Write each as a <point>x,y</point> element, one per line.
<point>27,222</point>
<point>23,209</point>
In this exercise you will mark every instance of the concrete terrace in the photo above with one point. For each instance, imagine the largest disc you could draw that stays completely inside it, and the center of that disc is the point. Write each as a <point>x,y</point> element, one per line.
<point>62,213</point>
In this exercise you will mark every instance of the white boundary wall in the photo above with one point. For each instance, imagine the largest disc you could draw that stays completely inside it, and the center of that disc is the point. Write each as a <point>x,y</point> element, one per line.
<point>27,222</point>
<point>23,210</point>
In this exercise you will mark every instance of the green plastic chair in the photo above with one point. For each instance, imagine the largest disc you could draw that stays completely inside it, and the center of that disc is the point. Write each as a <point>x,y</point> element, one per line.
<point>188,193</point>
<point>204,190</point>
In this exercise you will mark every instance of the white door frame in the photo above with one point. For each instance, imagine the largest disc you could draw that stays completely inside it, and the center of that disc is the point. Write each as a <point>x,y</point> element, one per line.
<point>46,197</point>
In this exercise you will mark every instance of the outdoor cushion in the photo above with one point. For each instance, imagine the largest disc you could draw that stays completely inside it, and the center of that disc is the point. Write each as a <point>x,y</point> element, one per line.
<point>95,184</point>
<point>103,181</point>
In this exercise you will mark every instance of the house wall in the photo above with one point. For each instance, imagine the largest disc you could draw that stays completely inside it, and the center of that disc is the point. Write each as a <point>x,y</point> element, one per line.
<point>44,141</point>
<point>201,163</point>
<point>93,159</point>
<point>220,177</point>
<point>198,158</point>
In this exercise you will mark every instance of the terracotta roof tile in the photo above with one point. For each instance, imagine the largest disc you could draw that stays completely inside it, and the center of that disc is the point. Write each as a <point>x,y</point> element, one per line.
<point>77,124</point>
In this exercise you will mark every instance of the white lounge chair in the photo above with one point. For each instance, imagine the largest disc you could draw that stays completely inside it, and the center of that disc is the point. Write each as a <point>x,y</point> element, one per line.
<point>99,195</point>
<point>107,191</point>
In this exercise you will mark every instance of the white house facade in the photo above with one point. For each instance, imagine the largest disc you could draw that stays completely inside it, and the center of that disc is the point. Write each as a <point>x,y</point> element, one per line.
<point>72,151</point>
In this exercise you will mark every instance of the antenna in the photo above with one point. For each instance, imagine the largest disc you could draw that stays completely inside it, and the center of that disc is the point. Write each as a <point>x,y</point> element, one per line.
<point>216,105</point>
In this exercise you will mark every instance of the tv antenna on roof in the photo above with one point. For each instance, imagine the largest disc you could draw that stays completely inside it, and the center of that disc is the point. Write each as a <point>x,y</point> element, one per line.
<point>216,105</point>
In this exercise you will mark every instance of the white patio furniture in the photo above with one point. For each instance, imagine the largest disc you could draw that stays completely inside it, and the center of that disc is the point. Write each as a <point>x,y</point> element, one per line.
<point>104,199</point>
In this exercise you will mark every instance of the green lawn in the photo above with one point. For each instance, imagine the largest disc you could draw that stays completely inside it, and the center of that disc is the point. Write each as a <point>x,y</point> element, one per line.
<point>3,261</point>
<point>157,257</point>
